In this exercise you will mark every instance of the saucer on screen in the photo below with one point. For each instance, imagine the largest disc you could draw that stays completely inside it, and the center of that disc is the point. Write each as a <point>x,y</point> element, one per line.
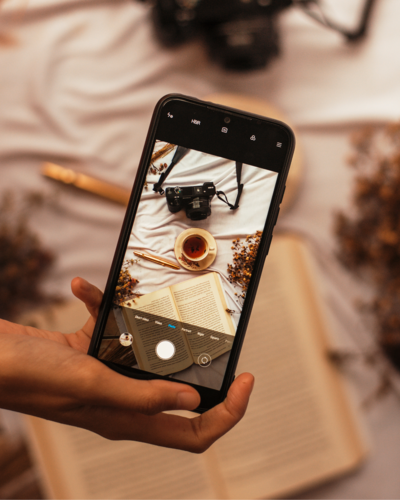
<point>191,265</point>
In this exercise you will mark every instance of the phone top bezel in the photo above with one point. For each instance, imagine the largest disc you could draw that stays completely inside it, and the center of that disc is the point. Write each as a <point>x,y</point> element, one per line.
<point>209,397</point>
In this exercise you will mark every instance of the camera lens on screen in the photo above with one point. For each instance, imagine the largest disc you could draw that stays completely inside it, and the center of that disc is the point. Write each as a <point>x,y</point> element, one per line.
<point>227,119</point>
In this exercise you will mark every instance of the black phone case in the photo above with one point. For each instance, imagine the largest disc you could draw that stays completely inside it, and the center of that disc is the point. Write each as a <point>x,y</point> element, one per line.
<point>209,397</point>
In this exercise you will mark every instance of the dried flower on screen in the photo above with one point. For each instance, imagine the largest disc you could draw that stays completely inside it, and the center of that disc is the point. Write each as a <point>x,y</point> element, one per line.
<point>124,291</point>
<point>244,257</point>
<point>230,311</point>
<point>162,152</point>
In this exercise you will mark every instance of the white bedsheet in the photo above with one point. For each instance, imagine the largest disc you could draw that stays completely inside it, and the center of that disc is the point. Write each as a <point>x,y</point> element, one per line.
<point>79,85</point>
<point>81,80</point>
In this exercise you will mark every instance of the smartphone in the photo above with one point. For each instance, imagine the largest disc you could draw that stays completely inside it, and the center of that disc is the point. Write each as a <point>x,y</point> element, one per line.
<point>197,230</point>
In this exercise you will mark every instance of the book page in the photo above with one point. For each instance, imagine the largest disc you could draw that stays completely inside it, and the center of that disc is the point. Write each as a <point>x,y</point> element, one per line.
<point>297,431</point>
<point>200,301</point>
<point>159,303</point>
<point>206,341</point>
<point>202,308</point>
<point>148,330</point>
<point>78,464</point>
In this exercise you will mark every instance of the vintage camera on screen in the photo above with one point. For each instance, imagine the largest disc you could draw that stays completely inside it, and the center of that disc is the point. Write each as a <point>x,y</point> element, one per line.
<point>196,200</point>
<point>240,34</point>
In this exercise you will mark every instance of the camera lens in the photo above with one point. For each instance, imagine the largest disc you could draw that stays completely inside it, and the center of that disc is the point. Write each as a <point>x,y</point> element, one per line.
<point>227,119</point>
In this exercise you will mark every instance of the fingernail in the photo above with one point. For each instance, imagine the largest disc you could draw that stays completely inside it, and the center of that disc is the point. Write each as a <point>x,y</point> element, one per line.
<point>188,400</point>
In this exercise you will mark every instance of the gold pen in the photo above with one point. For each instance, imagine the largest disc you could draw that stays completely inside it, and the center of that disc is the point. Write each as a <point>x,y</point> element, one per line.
<point>157,260</point>
<point>86,183</point>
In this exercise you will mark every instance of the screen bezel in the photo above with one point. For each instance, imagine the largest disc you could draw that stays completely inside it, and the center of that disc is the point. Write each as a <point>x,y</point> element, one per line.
<point>233,146</point>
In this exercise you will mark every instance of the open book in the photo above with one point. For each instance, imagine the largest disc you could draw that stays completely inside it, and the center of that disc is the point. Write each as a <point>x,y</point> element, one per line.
<point>299,430</point>
<point>195,312</point>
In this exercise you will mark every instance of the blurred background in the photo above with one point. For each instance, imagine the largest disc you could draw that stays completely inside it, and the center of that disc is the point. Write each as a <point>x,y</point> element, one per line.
<point>78,83</point>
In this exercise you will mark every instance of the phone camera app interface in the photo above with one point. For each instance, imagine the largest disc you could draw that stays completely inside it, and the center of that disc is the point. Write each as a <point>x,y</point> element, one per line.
<point>188,264</point>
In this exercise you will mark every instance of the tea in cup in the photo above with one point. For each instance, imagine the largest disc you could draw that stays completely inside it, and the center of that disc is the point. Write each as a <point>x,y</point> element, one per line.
<point>195,247</point>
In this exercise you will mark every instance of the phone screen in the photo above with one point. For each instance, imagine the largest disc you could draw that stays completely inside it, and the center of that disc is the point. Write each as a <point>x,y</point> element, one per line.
<point>187,266</point>
<point>185,271</point>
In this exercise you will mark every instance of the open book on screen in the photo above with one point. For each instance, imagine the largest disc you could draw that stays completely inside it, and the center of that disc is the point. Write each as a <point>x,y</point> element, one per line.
<point>195,314</point>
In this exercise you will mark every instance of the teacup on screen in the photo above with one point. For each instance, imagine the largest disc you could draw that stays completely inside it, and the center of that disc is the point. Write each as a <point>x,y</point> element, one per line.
<point>195,247</point>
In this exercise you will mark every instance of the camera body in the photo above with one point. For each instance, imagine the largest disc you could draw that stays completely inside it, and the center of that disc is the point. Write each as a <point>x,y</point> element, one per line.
<point>240,35</point>
<point>196,200</point>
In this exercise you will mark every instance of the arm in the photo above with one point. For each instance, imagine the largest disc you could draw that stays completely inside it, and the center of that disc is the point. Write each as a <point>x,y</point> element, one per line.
<point>49,375</point>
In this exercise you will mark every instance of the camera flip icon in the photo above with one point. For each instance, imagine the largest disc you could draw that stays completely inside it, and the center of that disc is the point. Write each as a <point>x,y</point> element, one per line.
<point>204,360</point>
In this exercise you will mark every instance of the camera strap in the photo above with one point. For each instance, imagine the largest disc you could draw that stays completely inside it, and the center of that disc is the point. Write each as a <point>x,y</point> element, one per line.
<point>179,154</point>
<point>222,196</point>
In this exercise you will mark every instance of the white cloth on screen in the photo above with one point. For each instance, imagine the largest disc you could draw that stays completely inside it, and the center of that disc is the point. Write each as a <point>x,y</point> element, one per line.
<point>156,229</point>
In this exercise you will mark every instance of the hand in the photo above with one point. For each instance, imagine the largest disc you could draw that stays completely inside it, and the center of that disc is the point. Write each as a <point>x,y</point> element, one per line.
<point>49,375</point>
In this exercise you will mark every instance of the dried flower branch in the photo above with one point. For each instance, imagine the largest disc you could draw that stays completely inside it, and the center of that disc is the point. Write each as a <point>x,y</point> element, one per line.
<point>157,170</point>
<point>369,240</point>
<point>244,257</point>
<point>153,169</point>
<point>125,285</point>
<point>162,152</point>
<point>24,262</point>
